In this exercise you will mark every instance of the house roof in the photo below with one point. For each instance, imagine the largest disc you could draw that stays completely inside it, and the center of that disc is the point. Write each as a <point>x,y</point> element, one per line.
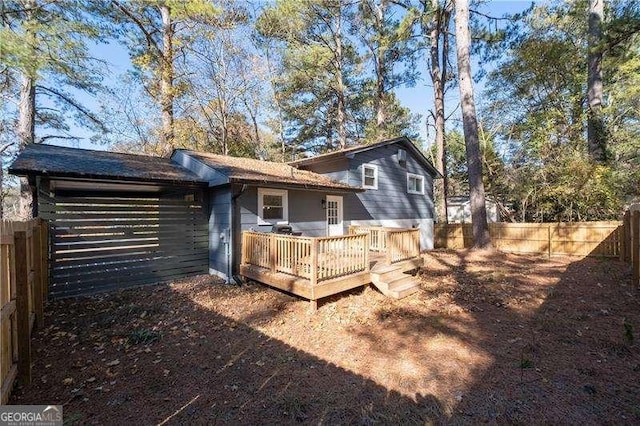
<point>248,170</point>
<point>56,161</point>
<point>349,152</point>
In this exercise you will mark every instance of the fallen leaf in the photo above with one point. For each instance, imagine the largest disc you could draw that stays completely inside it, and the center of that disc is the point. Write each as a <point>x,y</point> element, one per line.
<point>68,381</point>
<point>113,363</point>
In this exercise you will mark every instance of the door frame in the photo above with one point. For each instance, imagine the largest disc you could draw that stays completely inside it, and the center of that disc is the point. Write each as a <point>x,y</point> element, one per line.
<point>340,201</point>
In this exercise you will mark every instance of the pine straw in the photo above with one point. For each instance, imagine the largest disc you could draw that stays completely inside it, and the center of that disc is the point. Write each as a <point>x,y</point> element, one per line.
<point>490,338</point>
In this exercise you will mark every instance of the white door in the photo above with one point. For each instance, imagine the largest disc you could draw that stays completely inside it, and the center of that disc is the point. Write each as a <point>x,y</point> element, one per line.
<point>334,215</point>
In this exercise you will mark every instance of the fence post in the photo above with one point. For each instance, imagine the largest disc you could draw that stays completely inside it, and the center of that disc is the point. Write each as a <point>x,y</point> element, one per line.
<point>38,272</point>
<point>635,246</point>
<point>549,239</point>
<point>22,307</point>
<point>625,246</point>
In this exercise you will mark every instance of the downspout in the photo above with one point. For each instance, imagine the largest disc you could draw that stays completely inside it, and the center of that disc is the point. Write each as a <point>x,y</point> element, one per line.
<point>232,239</point>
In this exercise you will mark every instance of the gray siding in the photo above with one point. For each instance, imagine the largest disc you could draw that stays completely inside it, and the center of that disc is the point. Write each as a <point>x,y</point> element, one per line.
<point>305,212</point>
<point>220,223</point>
<point>390,200</point>
<point>337,170</point>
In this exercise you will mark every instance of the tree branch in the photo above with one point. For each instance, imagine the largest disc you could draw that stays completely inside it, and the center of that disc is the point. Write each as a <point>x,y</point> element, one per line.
<point>148,36</point>
<point>74,104</point>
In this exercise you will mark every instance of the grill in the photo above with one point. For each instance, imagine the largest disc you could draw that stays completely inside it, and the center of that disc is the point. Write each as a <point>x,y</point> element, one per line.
<point>284,230</point>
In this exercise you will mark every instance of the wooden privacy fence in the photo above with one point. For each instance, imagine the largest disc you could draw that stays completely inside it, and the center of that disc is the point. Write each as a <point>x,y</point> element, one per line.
<point>316,259</point>
<point>23,287</point>
<point>630,252</point>
<point>574,239</point>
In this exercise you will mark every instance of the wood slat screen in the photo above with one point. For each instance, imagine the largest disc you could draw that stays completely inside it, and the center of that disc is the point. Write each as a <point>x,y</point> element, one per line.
<point>106,241</point>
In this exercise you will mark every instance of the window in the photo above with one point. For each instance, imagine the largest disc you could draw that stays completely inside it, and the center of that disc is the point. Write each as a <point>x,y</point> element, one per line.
<point>415,184</point>
<point>369,176</point>
<point>273,206</point>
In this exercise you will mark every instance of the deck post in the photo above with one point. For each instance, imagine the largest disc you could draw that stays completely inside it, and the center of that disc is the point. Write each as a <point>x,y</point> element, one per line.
<point>367,255</point>
<point>314,262</point>
<point>272,252</point>
<point>313,305</point>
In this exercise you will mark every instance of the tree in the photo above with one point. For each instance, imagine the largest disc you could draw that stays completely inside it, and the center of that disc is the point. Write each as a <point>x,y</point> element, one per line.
<point>539,112</point>
<point>318,66</point>
<point>481,236</point>
<point>46,44</point>
<point>435,19</point>
<point>155,33</point>
<point>596,132</point>
<point>227,82</point>
<point>386,35</point>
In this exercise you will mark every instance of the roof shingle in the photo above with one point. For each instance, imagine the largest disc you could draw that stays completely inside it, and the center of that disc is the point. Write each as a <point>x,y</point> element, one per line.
<point>250,170</point>
<point>50,160</point>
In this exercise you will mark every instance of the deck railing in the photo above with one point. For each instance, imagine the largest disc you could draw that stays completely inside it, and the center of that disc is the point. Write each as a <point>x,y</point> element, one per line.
<point>377,236</point>
<point>398,243</point>
<point>316,259</point>
<point>402,244</point>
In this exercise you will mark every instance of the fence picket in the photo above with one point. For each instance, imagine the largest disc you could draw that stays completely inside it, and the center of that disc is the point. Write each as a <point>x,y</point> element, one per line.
<point>23,284</point>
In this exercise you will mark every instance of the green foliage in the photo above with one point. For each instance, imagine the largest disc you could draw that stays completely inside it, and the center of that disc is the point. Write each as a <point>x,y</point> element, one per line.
<point>143,336</point>
<point>537,104</point>
<point>49,42</point>
<point>326,51</point>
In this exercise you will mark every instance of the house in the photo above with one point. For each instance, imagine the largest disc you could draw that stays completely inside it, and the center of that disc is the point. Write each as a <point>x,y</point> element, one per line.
<point>398,183</point>
<point>459,210</point>
<point>119,219</point>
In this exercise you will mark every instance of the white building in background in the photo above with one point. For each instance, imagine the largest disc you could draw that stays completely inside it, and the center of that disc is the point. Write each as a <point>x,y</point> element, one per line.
<point>459,210</point>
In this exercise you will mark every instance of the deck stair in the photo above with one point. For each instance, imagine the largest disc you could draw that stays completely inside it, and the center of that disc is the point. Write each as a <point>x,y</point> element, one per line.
<point>396,280</point>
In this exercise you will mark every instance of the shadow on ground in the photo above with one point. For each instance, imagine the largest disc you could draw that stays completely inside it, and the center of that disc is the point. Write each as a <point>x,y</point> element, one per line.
<point>492,338</point>
<point>152,355</point>
<point>558,338</point>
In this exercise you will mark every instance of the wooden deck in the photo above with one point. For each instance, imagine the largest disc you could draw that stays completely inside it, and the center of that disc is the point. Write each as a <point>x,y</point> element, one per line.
<point>314,268</point>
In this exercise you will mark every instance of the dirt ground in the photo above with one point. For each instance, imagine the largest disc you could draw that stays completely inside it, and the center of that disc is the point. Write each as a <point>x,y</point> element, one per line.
<point>489,338</point>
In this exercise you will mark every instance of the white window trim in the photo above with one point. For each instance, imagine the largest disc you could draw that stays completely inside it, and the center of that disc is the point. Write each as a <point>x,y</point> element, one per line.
<point>285,206</point>
<point>375,176</point>
<point>413,175</point>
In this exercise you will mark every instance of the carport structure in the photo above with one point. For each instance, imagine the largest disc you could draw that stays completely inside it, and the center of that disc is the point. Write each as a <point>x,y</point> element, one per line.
<point>116,220</point>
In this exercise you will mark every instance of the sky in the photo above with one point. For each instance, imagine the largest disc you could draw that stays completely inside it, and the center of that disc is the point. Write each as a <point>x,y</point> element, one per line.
<point>419,99</point>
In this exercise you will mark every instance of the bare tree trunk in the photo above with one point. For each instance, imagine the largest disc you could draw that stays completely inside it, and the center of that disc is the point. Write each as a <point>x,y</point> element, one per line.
<point>481,236</point>
<point>439,26</point>
<point>27,114</point>
<point>225,135</point>
<point>341,104</point>
<point>381,116</point>
<point>596,132</point>
<point>166,78</point>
